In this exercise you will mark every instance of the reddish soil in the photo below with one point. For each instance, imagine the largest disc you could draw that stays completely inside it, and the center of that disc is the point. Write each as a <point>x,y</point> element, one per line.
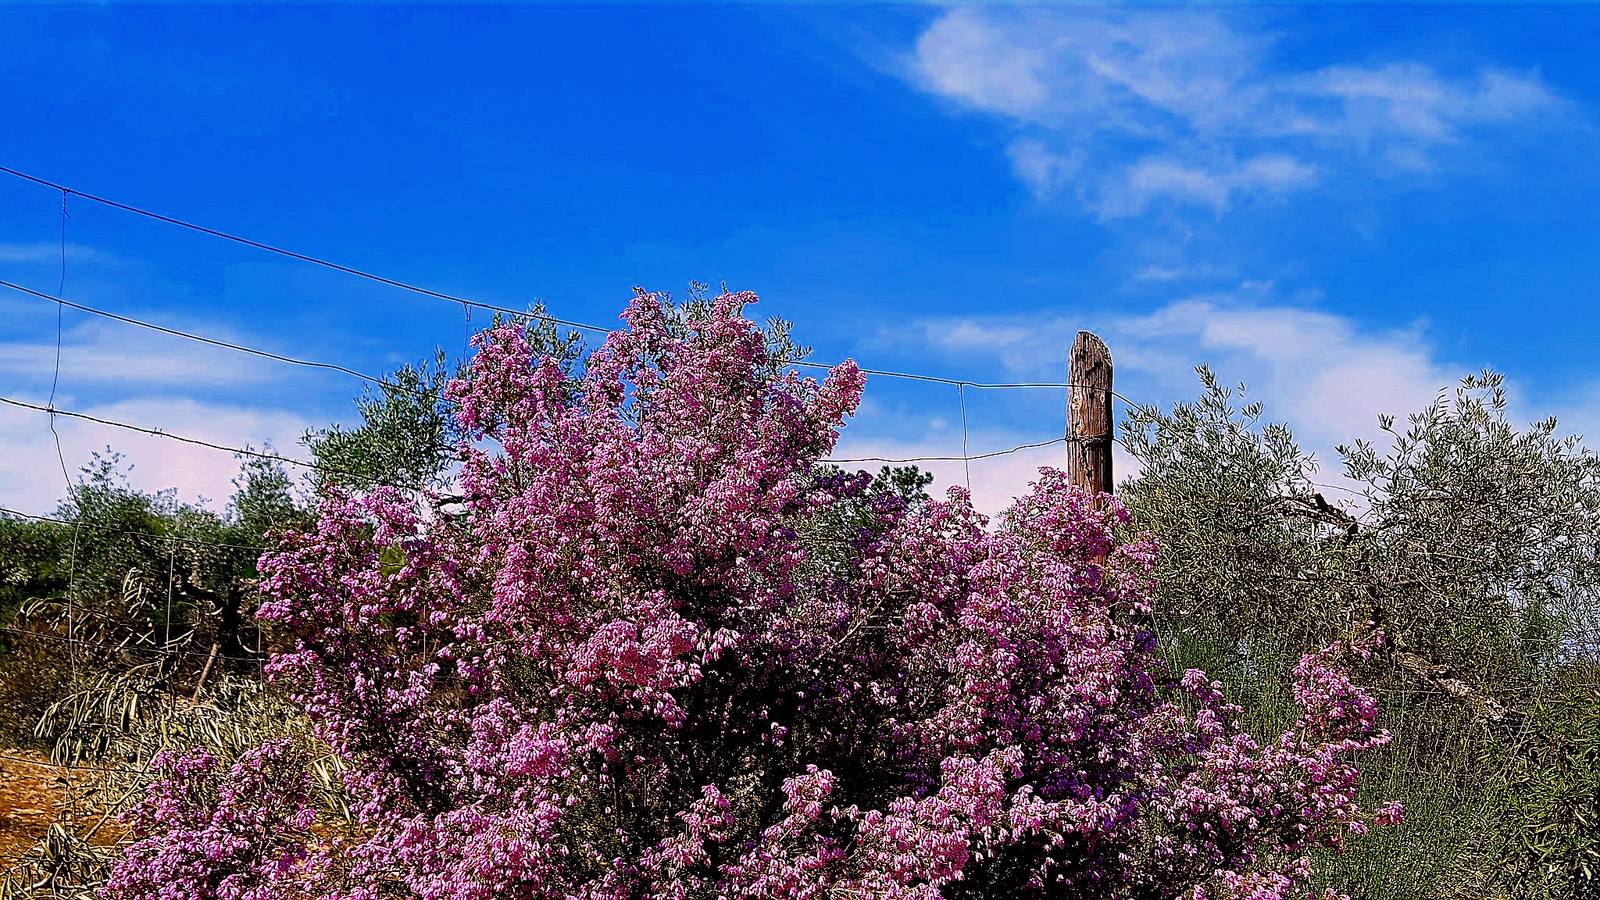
<point>29,792</point>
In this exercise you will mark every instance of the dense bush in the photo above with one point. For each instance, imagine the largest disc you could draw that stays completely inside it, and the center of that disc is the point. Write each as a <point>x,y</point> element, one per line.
<point>1477,543</point>
<point>122,583</point>
<point>652,649</point>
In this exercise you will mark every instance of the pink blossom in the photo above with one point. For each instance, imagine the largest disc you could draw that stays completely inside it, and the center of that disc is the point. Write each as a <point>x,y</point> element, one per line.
<point>648,662</point>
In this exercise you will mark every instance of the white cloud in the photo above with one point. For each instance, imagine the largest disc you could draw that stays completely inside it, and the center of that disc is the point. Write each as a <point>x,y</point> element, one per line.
<point>1074,67</point>
<point>95,351</point>
<point>48,251</point>
<point>1322,372</point>
<point>1151,179</point>
<point>89,362</point>
<point>1181,272</point>
<point>1411,101</point>
<point>1325,374</point>
<point>965,57</point>
<point>30,473</point>
<point>1043,170</point>
<point>1185,93</point>
<point>995,482</point>
<point>1022,344</point>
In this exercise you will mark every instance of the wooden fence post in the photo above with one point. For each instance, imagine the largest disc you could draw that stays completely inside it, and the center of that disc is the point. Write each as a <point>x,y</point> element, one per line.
<point>1089,426</point>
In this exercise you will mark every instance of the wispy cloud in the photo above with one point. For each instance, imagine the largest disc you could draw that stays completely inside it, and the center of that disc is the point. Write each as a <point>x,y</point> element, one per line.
<point>1162,274</point>
<point>1127,109</point>
<point>99,352</point>
<point>1325,373</point>
<point>127,374</point>
<point>1152,179</point>
<point>48,251</point>
<point>994,482</point>
<point>30,475</point>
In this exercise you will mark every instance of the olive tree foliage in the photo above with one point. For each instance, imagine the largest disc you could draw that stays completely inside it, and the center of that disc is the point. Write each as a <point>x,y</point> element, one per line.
<point>125,584</point>
<point>404,437</point>
<point>1472,543</point>
<point>1481,511</point>
<point>146,589</point>
<point>407,436</point>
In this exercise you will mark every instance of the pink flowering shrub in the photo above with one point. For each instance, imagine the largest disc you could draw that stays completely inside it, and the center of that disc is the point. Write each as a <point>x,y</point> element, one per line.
<point>202,833</point>
<point>647,660</point>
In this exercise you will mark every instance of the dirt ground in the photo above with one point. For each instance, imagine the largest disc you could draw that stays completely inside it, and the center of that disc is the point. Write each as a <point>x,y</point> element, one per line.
<point>30,788</point>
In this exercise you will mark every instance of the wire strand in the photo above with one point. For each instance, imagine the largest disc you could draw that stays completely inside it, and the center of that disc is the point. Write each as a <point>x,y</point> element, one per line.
<point>155,432</point>
<point>215,342</point>
<point>293,254</point>
<point>61,457</point>
<point>62,301</point>
<point>980,456</point>
<point>966,457</point>
<point>961,387</point>
<point>452,298</point>
<point>467,304</point>
<point>324,468</point>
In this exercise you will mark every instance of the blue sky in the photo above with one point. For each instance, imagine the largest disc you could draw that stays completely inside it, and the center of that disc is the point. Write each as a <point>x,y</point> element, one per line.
<point>1346,207</point>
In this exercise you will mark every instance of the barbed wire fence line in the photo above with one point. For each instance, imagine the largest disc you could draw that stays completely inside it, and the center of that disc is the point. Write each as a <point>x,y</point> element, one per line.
<point>1078,389</point>
<point>466,303</point>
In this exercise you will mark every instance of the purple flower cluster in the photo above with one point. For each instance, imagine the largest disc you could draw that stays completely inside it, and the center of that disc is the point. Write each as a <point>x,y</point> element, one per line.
<point>203,833</point>
<point>630,670</point>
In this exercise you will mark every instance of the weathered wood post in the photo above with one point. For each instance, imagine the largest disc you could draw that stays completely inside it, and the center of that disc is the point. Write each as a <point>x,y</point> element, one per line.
<point>1089,426</point>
